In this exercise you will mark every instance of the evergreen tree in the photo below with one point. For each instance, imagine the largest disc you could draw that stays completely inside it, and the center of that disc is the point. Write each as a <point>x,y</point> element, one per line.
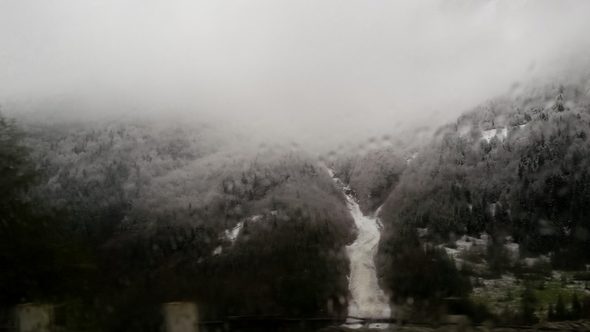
<point>16,171</point>
<point>559,103</point>
<point>560,311</point>
<point>576,307</point>
<point>528,303</point>
<point>551,313</point>
<point>586,307</point>
<point>38,258</point>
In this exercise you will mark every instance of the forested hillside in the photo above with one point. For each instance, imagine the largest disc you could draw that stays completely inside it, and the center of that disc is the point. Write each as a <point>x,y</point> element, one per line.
<point>136,214</point>
<point>172,213</point>
<point>516,169</point>
<point>372,174</point>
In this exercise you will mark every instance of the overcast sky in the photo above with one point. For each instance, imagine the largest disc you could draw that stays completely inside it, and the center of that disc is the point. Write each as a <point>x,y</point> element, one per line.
<point>312,68</point>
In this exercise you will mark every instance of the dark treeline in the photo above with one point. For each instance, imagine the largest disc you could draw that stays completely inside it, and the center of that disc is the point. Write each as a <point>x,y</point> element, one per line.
<point>533,185</point>
<point>110,221</point>
<point>529,182</point>
<point>372,174</point>
<point>113,219</point>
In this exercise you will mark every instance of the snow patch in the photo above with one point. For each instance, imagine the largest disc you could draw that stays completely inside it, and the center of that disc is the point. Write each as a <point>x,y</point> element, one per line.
<point>256,218</point>
<point>487,135</point>
<point>422,232</point>
<point>466,243</point>
<point>463,244</point>
<point>368,299</point>
<point>532,261</point>
<point>232,234</point>
<point>513,251</point>
<point>503,134</point>
<point>412,157</point>
<point>451,252</point>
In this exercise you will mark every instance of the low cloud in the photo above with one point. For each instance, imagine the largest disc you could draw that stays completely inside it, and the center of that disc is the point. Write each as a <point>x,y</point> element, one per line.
<point>310,71</point>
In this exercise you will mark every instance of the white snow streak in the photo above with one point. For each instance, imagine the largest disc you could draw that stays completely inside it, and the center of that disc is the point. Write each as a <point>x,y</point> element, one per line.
<point>489,134</point>
<point>232,234</point>
<point>368,299</point>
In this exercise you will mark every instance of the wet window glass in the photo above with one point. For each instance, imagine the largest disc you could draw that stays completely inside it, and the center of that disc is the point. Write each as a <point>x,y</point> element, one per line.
<point>325,166</point>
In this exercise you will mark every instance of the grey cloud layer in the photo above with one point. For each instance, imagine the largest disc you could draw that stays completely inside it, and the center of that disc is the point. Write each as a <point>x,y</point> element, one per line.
<point>315,69</point>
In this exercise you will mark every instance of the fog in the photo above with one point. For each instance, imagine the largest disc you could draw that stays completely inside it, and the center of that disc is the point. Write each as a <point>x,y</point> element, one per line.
<point>309,71</point>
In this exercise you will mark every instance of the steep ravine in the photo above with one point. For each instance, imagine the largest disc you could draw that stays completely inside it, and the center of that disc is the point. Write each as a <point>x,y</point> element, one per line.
<point>368,299</point>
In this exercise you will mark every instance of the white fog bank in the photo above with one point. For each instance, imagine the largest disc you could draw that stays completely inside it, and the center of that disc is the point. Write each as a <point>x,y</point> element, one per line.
<point>285,68</point>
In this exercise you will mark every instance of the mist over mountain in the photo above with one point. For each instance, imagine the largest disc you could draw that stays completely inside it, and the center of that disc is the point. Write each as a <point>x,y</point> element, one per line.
<point>190,204</point>
<point>317,74</point>
<point>341,165</point>
<point>503,189</point>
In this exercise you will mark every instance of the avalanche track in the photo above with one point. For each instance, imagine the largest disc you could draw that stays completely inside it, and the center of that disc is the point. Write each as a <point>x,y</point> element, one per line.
<point>368,299</point>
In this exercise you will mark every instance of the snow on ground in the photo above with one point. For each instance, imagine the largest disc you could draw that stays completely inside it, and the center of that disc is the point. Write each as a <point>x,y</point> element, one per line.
<point>218,250</point>
<point>232,234</point>
<point>513,251</point>
<point>463,244</point>
<point>487,135</point>
<point>466,244</point>
<point>502,134</point>
<point>368,299</point>
<point>451,252</point>
<point>422,232</point>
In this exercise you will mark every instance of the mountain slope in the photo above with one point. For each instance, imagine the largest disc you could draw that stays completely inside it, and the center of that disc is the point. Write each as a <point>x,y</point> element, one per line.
<point>173,213</point>
<point>516,168</point>
<point>513,167</point>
